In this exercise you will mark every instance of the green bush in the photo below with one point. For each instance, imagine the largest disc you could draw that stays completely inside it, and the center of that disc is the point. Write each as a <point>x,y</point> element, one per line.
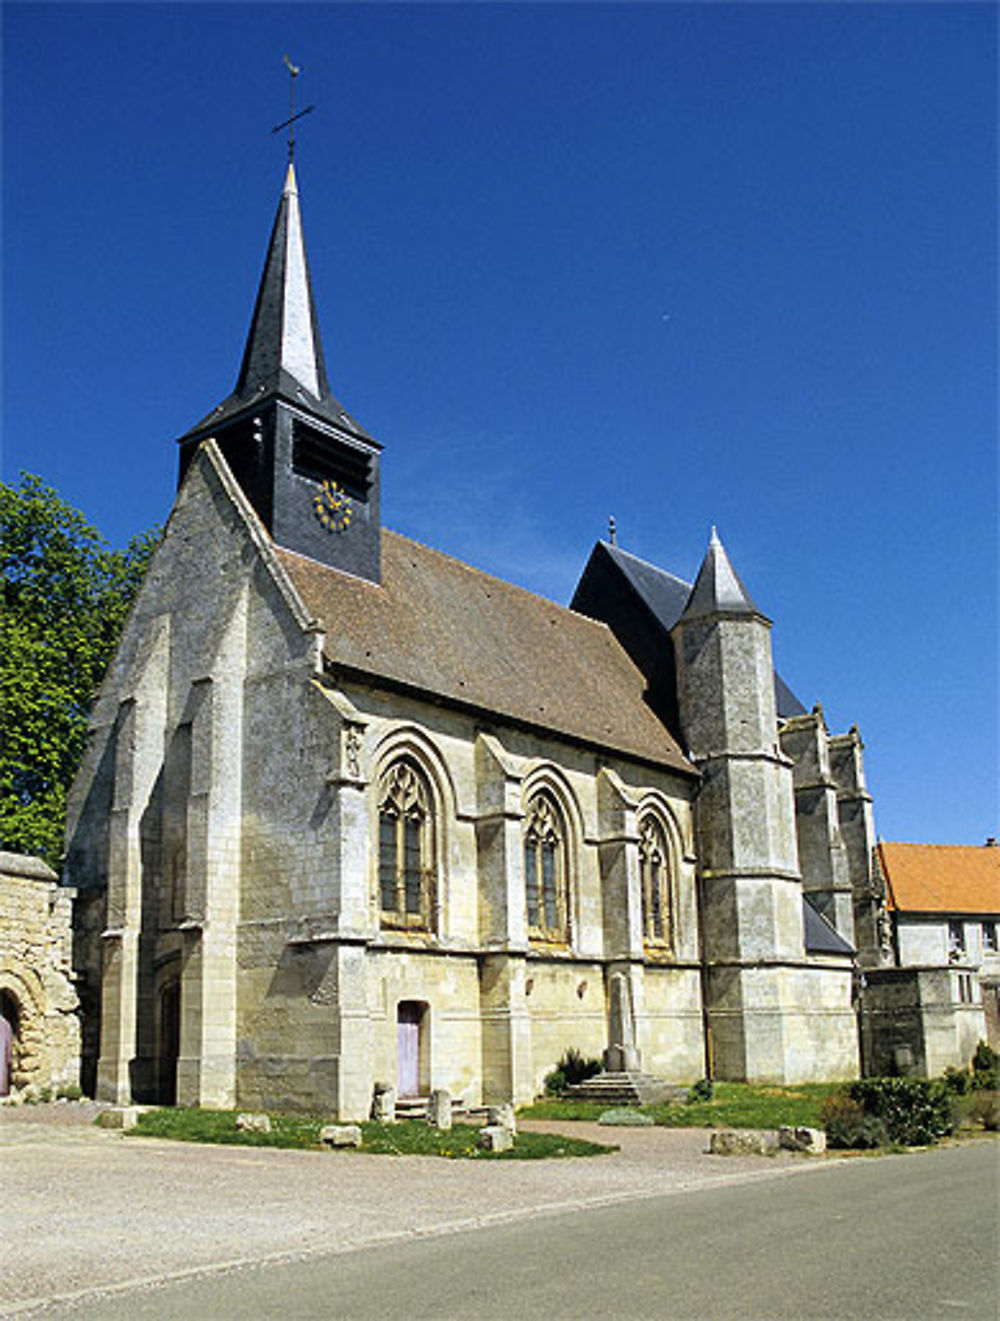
<point>983,1107</point>
<point>986,1068</point>
<point>847,1125</point>
<point>958,1081</point>
<point>555,1083</point>
<point>69,1092</point>
<point>571,1069</point>
<point>702,1090</point>
<point>914,1111</point>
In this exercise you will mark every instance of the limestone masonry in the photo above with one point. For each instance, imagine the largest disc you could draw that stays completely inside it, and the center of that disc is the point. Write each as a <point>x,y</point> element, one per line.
<point>358,823</point>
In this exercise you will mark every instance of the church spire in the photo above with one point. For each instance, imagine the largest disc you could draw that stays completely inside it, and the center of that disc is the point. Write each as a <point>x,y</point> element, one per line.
<point>283,357</point>
<point>284,347</point>
<point>717,589</point>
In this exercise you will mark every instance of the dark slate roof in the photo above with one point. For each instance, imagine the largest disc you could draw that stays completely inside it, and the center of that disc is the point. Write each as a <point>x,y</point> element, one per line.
<point>665,596</point>
<point>284,353</point>
<point>453,633</point>
<point>821,936</point>
<point>717,589</point>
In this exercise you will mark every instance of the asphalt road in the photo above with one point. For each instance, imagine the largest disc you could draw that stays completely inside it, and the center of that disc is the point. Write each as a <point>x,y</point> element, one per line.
<point>911,1236</point>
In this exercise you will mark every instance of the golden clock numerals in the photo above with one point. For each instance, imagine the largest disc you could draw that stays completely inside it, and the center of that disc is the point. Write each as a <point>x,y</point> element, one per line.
<point>332,506</point>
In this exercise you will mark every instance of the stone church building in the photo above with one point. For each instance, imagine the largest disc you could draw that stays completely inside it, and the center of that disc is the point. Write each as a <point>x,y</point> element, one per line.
<point>353,811</point>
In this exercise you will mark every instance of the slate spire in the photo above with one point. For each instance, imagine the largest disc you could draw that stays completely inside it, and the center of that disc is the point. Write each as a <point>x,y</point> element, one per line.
<point>717,589</point>
<point>283,357</point>
<point>284,339</point>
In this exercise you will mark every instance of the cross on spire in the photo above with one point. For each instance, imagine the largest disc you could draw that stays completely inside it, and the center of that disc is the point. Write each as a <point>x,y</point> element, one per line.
<point>293,72</point>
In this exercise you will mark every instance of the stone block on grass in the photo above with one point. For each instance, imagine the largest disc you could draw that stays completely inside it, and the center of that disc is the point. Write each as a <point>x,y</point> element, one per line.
<point>439,1109</point>
<point>340,1135</point>
<point>812,1140</point>
<point>501,1116</point>
<point>743,1142</point>
<point>253,1123</point>
<point>494,1137</point>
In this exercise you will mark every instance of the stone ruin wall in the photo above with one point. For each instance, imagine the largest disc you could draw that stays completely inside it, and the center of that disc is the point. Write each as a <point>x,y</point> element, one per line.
<point>36,978</point>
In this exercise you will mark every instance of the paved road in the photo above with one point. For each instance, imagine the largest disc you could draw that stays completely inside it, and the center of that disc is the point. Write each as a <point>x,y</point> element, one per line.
<point>910,1237</point>
<point>105,1226</point>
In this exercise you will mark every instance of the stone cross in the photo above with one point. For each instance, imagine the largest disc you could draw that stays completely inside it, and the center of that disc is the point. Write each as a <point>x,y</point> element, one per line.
<point>622,1055</point>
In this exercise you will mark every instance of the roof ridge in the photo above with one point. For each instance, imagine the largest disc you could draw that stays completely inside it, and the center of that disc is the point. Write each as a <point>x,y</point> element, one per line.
<point>665,573</point>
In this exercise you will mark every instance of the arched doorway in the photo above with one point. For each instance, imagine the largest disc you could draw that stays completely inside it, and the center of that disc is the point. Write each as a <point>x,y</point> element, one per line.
<point>168,1042</point>
<point>411,1048</point>
<point>10,1023</point>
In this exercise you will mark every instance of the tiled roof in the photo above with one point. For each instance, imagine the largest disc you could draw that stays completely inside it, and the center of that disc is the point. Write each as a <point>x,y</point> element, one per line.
<point>941,878</point>
<point>438,626</point>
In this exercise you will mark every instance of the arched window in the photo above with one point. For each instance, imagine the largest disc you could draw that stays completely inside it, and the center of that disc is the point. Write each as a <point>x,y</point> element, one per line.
<point>545,871</point>
<point>654,868</point>
<point>406,870</point>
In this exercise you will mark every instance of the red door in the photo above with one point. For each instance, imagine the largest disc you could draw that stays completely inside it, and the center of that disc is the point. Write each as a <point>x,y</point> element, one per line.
<point>408,1019</point>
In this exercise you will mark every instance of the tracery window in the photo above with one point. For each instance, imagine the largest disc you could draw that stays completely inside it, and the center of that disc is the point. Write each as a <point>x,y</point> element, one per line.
<point>406,870</point>
<point>545,871</point>
<point>654,869</point>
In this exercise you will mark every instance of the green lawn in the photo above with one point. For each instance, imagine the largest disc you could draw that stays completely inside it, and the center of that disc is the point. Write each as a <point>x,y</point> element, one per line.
<point>734,1105</point>
<point>407,1138</point>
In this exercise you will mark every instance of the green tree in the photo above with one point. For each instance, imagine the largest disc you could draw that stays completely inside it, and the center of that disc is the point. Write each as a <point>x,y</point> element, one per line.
<point>65,598</point>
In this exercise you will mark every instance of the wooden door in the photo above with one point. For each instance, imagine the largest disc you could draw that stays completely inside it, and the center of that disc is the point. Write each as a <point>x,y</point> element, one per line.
<point>408,1019</point>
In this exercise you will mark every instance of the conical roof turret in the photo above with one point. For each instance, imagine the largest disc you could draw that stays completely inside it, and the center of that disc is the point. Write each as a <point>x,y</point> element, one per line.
<point>717,589</point>
<point>283,356</point>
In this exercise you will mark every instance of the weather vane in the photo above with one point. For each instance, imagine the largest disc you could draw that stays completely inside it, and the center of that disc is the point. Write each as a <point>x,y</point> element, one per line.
<point>294,70</point>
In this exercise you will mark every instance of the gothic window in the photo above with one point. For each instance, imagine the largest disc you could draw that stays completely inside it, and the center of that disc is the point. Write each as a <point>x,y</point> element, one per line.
<point>545,871</point>
<point>406,871</point>
<point>654,869</point>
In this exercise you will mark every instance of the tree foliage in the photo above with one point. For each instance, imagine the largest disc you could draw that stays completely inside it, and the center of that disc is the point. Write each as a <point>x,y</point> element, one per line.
<point>65,598</point>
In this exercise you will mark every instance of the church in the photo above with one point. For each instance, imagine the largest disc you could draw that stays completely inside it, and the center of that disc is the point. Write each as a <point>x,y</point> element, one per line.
<point>354,814</point>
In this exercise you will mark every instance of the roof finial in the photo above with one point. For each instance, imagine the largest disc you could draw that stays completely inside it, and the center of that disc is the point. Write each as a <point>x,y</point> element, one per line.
<point>293,70</point>
<point>611,529</point>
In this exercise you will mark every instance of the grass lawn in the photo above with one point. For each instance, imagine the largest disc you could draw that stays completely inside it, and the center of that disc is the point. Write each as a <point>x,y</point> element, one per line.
<point>407,1138</point>
<point>734,1105</point>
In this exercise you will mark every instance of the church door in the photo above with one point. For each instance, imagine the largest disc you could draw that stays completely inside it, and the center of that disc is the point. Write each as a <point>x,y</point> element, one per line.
<point>8,1021</point>
<point>408,1020</point>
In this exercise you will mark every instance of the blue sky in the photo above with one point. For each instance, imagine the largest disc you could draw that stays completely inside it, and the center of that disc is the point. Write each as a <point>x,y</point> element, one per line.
<point>683,264</point>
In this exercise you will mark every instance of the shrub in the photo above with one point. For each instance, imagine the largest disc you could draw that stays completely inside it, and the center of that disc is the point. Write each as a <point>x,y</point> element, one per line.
<point>848,1127</point>
<point>576,1068</point>
<point>914,1111</point>
<point>69,1092</point>
<point>983,1107</point>
<point>986,1068</point>
<point>555,1082</point>
<point>958,1081</point>
<point>702,1090</point>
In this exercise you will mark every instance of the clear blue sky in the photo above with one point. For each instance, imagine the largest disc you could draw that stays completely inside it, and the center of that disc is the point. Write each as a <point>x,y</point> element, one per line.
<point>686,264</point>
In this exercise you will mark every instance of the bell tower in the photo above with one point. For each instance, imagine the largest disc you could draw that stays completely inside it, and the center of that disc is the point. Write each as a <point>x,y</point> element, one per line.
<point>309,469</point>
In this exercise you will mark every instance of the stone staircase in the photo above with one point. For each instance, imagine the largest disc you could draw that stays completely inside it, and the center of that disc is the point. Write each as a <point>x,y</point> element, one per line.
<point>627,1088</point>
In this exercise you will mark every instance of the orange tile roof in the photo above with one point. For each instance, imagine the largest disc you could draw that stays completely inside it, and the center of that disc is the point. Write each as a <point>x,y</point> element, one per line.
<point>941,878</point>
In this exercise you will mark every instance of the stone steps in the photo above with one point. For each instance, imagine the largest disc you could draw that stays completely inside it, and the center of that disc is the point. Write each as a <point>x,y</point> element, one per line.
<point>627,1088</point>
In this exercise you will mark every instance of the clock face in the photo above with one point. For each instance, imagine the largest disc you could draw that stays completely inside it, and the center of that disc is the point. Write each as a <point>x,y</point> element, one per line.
<point>332,506</point>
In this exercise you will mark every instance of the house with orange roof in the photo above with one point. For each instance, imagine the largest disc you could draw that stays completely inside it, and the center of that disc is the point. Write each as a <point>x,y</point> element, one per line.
<point>936,994</point>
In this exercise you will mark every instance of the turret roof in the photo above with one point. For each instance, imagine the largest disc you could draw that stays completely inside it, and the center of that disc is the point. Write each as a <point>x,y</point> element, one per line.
<point>717,589</point>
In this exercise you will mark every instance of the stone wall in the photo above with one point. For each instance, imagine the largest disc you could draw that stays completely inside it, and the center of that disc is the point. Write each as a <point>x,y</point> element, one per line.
<point>918,1021</point>
<point>36,982</point>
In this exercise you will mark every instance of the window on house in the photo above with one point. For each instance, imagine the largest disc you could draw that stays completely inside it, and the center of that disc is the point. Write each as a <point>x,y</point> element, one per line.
<point>545,871</point>
<point>989,937</point>
<point>654,869</point>
<point>956,940</point>
<point>406,870</point>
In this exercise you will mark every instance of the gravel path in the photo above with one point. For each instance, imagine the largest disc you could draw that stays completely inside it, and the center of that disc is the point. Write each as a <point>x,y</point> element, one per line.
<point>91,1210</point>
